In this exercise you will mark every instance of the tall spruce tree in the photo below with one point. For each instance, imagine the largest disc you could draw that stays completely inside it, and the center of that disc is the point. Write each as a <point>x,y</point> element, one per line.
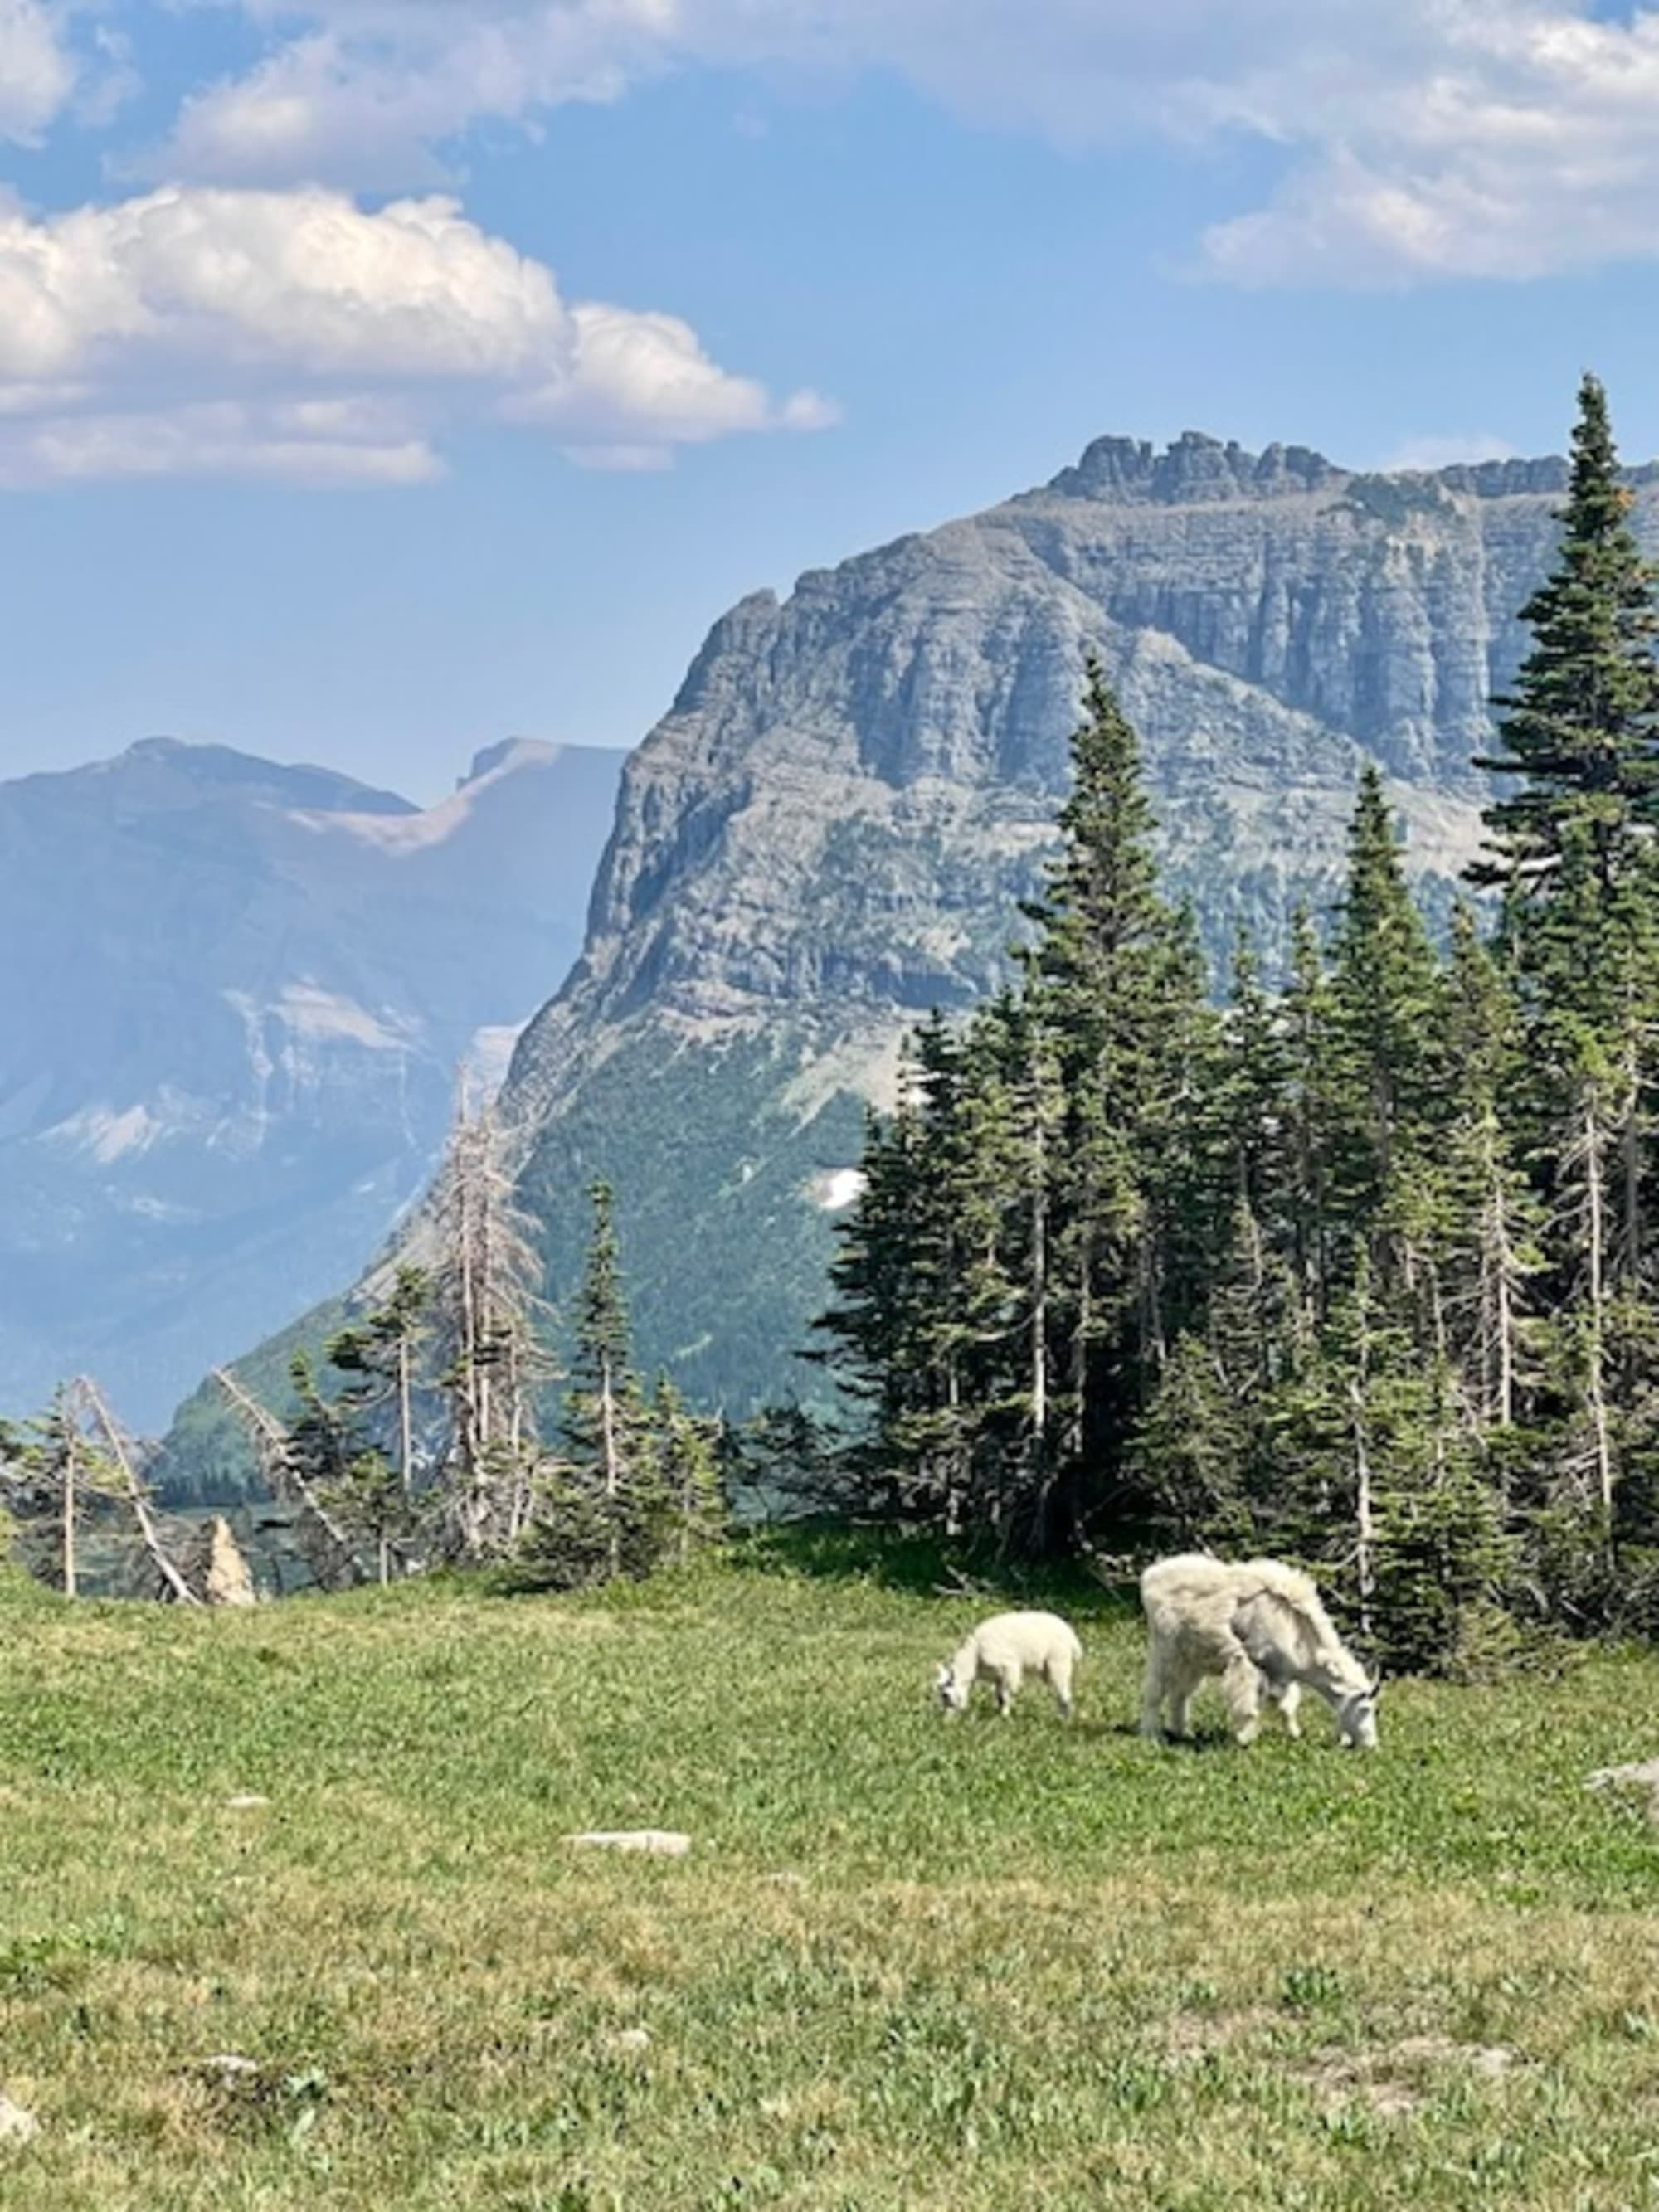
<point>1579,731</point>
<point>607,1424</point>
<point>1573,853</point>
<point>1117,982</point>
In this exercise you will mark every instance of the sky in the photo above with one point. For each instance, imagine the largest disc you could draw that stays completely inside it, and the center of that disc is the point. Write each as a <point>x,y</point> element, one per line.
<point>381,378</point>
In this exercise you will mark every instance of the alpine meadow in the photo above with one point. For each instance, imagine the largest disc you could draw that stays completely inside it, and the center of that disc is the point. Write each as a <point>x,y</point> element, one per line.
<point>534,1797</point>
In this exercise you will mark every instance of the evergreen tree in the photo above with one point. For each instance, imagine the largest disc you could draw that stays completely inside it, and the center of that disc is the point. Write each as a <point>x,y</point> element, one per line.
<point>1383,1040</point>
<point>688,1447</point>
<point>1579,729</point>
<point>381,1357</point>
<point>610,1446</point>
<point>1117,983</point>
<point>333,1451</point>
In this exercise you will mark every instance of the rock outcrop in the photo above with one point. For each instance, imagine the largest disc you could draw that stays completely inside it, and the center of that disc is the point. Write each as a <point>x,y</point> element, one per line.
<point>829,831</point>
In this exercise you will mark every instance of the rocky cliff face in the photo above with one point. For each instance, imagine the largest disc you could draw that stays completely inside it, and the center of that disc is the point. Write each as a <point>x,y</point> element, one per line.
<point>830,830</point>
<point>231,1011</point>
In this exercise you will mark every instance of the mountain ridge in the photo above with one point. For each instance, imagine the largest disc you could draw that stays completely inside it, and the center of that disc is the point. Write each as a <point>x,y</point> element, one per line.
<point>228,1058</point>
<point>830,830</point>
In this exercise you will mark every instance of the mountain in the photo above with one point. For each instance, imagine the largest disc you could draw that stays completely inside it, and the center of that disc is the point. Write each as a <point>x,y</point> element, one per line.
<point>230,1025</point>
<point>830,830</point>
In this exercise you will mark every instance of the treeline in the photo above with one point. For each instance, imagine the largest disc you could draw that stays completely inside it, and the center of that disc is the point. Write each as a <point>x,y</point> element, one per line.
<point>1364,1269</point>
<point>421,1437</point>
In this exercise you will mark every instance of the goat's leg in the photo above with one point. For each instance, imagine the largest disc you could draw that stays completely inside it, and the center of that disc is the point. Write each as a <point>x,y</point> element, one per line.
<point>1152,1696</point>
<point>1241,1686</point>
<point>1181,1706</point>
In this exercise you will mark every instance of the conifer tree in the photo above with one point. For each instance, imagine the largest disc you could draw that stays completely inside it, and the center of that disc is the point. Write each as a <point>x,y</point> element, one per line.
<point>1579,728</point>
<point>380,1356</point>
<point>1383,997</point>
<point>688,1446</point>
<point>1117,982</point>
<point>332,1449</point>
<point>1573,852</point>
<point>608,1430</point>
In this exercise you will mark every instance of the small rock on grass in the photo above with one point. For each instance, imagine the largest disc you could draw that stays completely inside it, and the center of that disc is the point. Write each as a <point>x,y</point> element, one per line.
<point>17,2125</point>
<point>660,1843</point>
<point>1643,1776</point>
<point>230,2066</point>
<point>245,1801</point>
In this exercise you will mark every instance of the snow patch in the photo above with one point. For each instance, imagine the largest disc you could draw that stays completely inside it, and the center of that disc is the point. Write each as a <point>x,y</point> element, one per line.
<point>490,1055</point>
<point>324,1017</point>
<point>399,834</point>
<point>107,1135</point>
<point>840,1188</point>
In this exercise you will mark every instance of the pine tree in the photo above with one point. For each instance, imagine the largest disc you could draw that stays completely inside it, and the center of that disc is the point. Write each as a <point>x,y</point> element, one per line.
<point>380,1356</point>
<point>1117,983</point>
<point>688,1448</point>
<point>1573,852</point>
<point>1579,729</point>
<point>331,1448</point>
<point>1488,1255</point>
<point>1383,1036</point>
<point>608,1430</point>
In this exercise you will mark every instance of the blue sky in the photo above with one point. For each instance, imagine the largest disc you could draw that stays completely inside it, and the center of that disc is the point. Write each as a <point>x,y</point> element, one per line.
<point>381,377</point>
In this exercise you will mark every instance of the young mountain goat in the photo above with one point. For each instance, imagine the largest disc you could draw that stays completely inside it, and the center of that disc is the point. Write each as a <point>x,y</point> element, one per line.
<point>1006,1648</point>
<point>1258,1625</point>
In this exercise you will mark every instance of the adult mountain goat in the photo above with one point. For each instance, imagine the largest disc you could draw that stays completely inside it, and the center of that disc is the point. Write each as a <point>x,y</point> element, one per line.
<point>1007,1648</point>
<point>1260,1626</point>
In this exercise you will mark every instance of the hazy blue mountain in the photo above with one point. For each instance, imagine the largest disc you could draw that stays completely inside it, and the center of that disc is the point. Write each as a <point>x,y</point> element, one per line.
<point>233,999</point>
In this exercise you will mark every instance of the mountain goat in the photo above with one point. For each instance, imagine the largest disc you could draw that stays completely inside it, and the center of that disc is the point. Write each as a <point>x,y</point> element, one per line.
<point>1005,1649</point>
<point>1260,1626</point>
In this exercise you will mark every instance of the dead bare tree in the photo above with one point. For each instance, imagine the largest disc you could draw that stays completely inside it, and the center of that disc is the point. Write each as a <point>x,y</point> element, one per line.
<point>488,1306</point>
<point>84,1401</point>
<point>328,1549</point>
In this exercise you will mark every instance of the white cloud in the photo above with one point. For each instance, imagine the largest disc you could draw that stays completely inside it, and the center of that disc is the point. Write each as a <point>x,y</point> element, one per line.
<point>363,95</point>
<point>1522,142</point>
<point>1444,449</point>
<point>1419,138</point>
<point>642,384</point>
<point>37,75</point>
<point>295,333</point>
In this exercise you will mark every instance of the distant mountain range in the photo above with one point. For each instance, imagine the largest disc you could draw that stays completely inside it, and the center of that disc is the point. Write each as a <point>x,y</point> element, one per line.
<point>234,1000</point>
<point>830,830</point>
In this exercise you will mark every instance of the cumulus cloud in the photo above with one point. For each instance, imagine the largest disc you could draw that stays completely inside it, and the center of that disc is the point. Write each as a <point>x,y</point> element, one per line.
<point>363,96</point>
<point>1524,143</point>
<point>37,75</point>
<point>1418,138</point>
<point>216,328</point>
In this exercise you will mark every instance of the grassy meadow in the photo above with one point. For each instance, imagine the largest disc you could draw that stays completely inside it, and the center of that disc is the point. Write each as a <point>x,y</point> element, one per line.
<point>910,1962</point>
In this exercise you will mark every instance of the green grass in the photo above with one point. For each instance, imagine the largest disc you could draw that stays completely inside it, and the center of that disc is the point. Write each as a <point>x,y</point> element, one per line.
<point>911,1962</point>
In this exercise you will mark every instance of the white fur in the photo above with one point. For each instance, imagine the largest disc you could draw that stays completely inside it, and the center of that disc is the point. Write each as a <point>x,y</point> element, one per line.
<point>1005,1649</point>
<point>1260,1626</point>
